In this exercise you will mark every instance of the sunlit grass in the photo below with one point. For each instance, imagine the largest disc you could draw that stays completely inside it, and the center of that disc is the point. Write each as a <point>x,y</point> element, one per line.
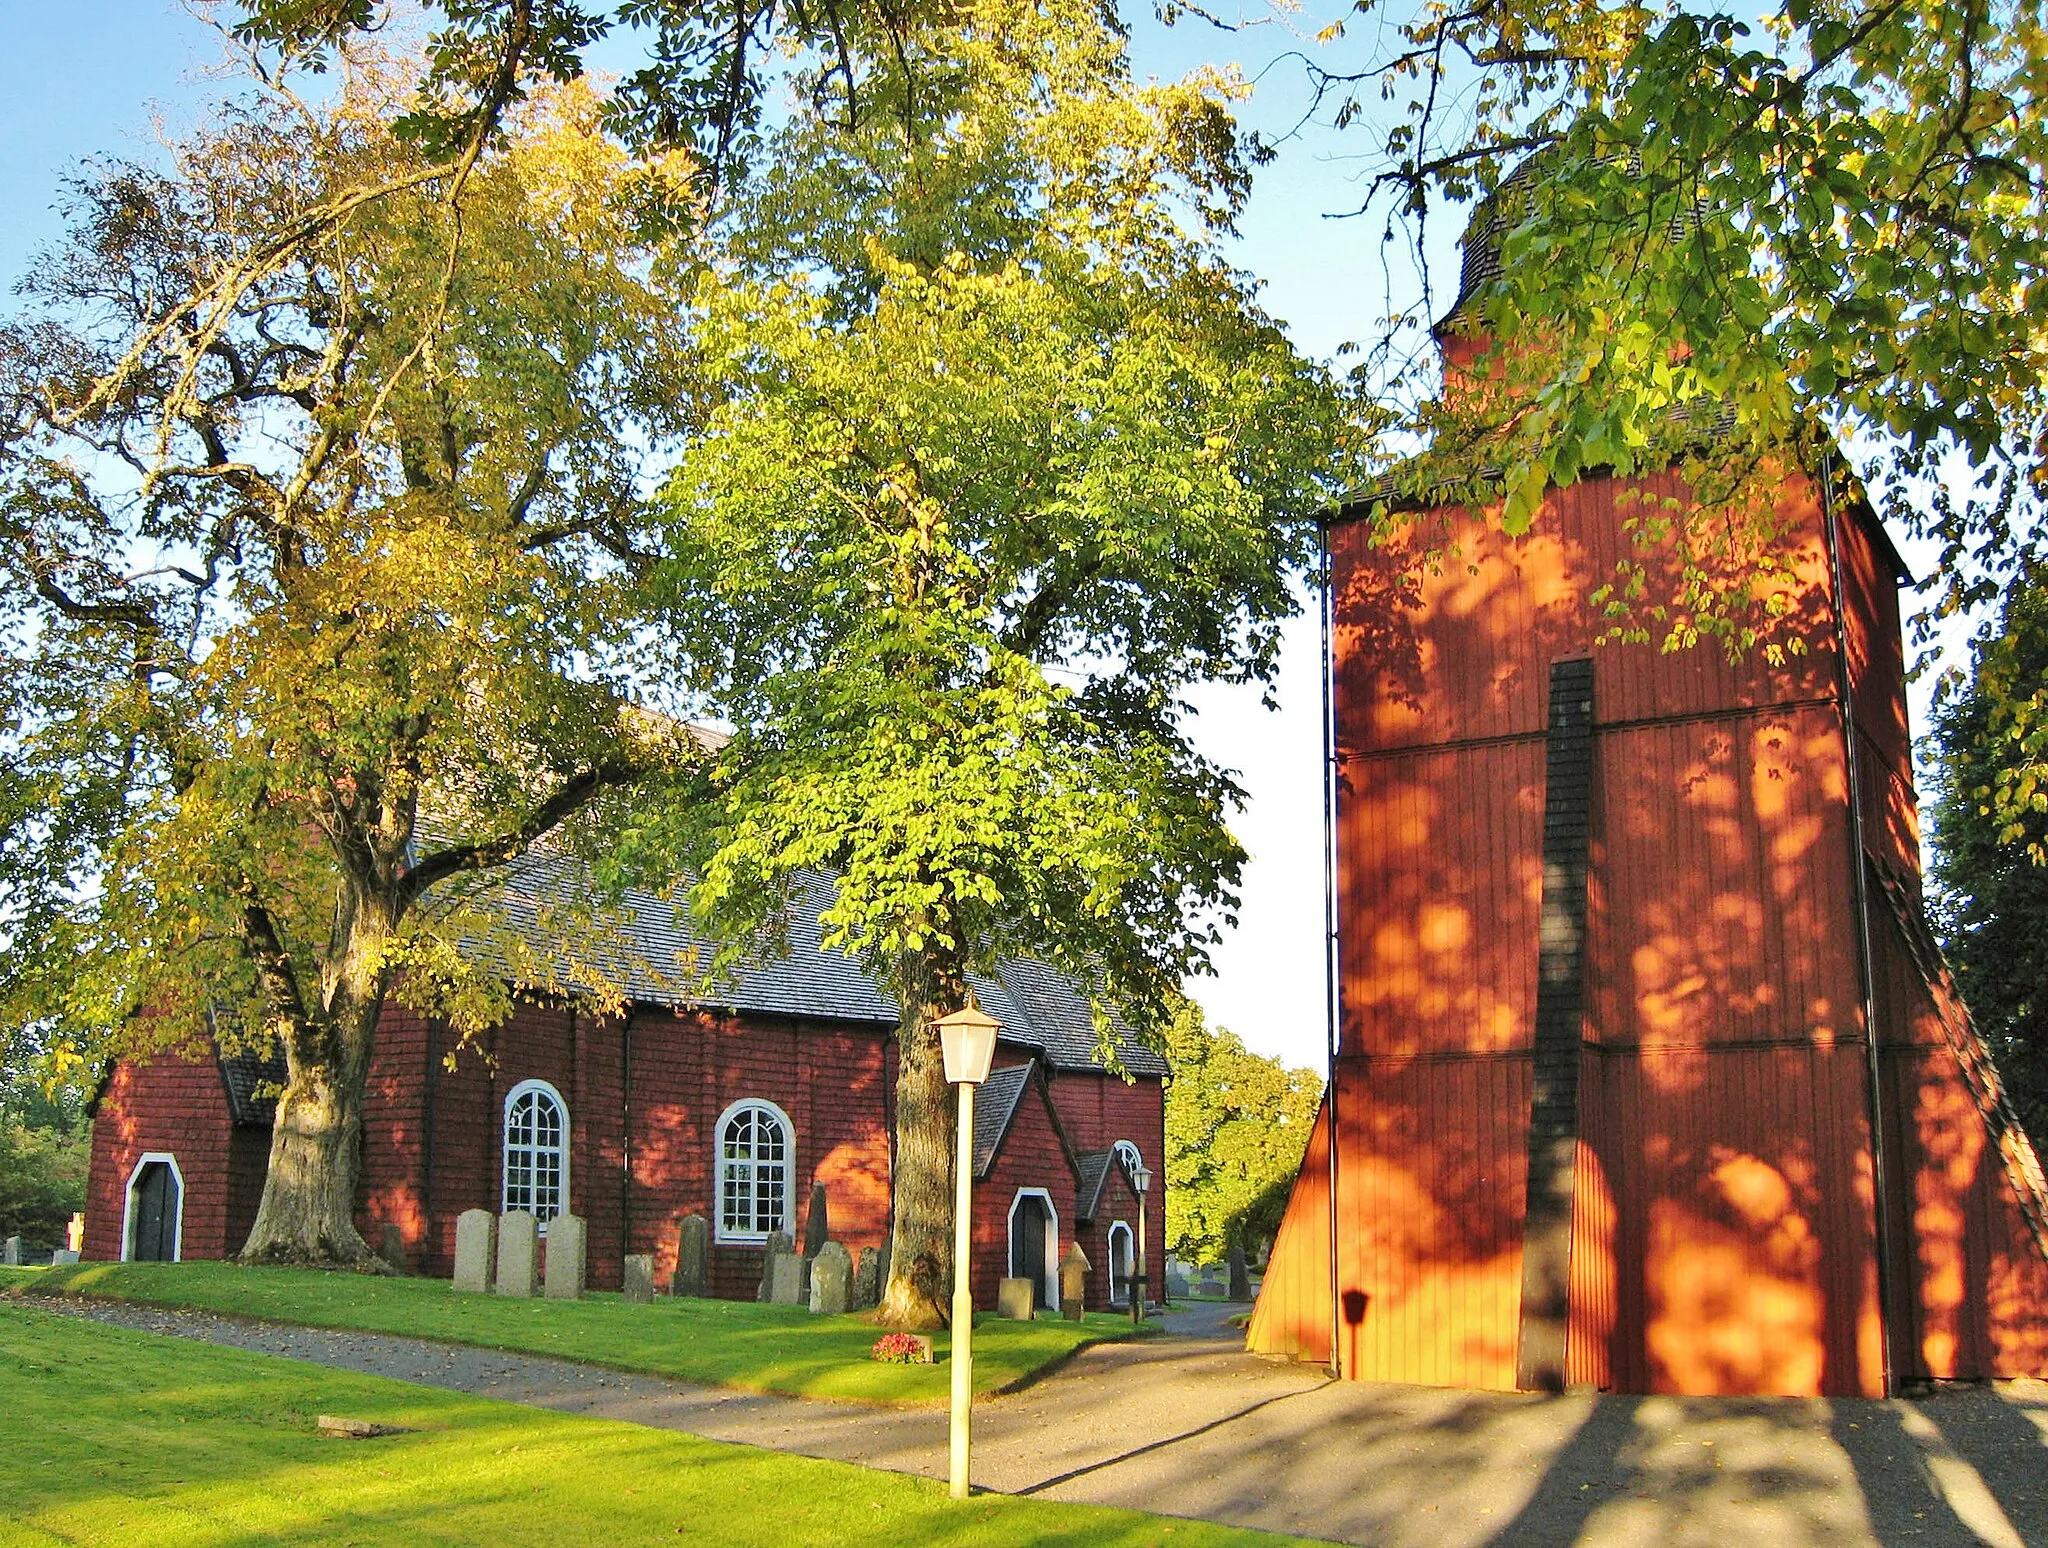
<point>114,1437</point>
<point>723,1343</point>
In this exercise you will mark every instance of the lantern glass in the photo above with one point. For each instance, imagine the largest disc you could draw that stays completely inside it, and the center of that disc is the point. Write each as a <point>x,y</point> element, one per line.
<point>1141,1178</point>
<point>969,1040</point>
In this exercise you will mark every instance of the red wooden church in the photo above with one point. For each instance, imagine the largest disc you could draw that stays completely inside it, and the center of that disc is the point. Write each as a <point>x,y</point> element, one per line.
<point>729,1108</point>
<point>1648,1074</point>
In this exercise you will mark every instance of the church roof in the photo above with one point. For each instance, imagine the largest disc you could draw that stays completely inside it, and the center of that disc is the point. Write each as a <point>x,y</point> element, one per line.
<point>995,1109</point>
<point>252,1082</point>
<point>1040,1008</point>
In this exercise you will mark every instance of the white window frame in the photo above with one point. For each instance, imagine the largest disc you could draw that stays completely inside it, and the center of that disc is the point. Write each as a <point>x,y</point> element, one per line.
<point>1137,1156</point>
<point>128,1206</point>
<point>720,1166</point>
<point>1052,1241</point>
<point>505,1204</point>
<point>1130,1261</point>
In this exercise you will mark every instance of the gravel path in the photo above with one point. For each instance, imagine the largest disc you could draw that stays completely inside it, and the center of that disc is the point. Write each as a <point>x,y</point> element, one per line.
<point>1190,1425</point>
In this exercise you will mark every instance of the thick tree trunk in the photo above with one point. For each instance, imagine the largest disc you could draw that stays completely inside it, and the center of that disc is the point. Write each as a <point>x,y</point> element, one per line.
<point>307,1215</point>
<point>931,985</point>
<point>309,1194</point>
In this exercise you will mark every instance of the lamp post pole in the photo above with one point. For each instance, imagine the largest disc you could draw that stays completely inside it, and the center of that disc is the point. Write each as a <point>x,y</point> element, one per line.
<point>968,1039</point>
<point>1141,1179</point>
<point>963,1294</point>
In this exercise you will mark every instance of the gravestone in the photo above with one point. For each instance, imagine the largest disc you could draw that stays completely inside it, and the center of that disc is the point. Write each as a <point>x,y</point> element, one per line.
<point>476,1248</point>
<point>773,1248</point>
<point>693,1256</point>
<point>867,1279</point>
<point>1177,1284</point>
<point>567,1237</point>
<point>639,1281</point>
<point>10,1252</point>
<point>74,1234</point>
<point>1240,1276</point>
<point>792,1285</point>
<point>1015,1298</point>
<point>882,1269</point>
<point>393,1249</point>
<point>817,1224</point>
<point>63,1257</point>
<point>1074,1266</point>
<point>831,1281</point>
<point>518,1254</point>
<point>1210,1287</point>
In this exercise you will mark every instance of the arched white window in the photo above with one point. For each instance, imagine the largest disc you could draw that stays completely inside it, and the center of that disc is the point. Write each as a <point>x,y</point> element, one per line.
<point>1127,1153</point>
<point>1120,1258</point>
<point>756,1150</point>
<point>536,1150</point>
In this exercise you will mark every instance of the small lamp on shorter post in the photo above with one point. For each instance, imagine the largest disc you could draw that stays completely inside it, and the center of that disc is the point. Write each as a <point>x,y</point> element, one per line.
<point>968,1039</point>
<point>1141,1179</point>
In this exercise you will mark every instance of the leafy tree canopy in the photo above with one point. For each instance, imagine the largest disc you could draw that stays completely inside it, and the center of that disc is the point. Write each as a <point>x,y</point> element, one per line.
<point>296,545</point>
<point>1828,221</point>
<point>1001,458</point>
<point>1991,845</point>
<point>1237,1124</point>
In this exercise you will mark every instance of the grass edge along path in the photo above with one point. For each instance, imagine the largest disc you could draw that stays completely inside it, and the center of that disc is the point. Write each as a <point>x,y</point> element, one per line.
<point>737,1344</point>
<point>114,1437</point>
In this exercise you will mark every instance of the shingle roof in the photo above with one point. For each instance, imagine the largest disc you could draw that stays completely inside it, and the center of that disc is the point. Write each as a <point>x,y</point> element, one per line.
<point>249,1078</point>
<point>1039,1007</point>
<point>1094,1172</point>
<point>995,1107</point>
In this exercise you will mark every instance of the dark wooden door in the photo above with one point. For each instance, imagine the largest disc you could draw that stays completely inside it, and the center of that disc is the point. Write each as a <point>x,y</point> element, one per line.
<point>156,1215</point>
<point>1027,1245</point>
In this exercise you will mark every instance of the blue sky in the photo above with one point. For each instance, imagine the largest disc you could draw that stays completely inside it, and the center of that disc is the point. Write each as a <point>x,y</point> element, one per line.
<point>84,78</point>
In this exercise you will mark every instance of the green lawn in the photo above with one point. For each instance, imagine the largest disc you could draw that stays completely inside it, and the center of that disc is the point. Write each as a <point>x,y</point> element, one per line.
<point>724,1343</point>
<point>119,1438</point>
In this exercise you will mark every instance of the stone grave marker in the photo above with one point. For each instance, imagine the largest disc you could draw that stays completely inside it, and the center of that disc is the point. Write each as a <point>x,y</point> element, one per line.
<point>831,1281</point>
<point>818,1223</point>
<point>882,1268</point>
<point>867,1279</point>
<point>74,1234</point>
<point>693,1256</point>
<point>777,1244</point>
<point>1177,1284</point>
<point>63,1257</point>
<point>1240,1276</point>
<point>1074,1266</point>
<point>518,1254</point>
<point>792,1280</point>
<point>639,1281</point>
<point>476,1247</point>
<point>1211,1287</point>
<point>10,1252</point>
<point>567,1237</point>
<point>393,1249</point>
<point>1014,1299</point>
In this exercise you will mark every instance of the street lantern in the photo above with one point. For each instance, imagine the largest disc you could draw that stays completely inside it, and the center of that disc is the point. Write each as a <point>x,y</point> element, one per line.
<point>1141,1179</point>
<point>968,1039</point>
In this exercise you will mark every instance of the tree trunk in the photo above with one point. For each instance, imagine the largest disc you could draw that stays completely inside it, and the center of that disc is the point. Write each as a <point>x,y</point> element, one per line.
<point>307,1216</point>
<point>931,985</point>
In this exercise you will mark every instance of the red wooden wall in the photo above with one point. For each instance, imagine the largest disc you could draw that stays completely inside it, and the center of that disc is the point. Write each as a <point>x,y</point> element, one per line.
<point>1724,1230</point>
<point>433,1136</point>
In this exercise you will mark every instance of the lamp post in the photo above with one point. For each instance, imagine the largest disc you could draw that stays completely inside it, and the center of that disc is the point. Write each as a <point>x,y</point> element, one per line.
<point>968,1039</point>
<point>1141,1179</point>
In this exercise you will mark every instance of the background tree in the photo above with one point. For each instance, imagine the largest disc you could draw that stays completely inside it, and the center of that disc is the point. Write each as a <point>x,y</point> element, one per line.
<point>1990,844</point>
<point>298,546</point>
<point>1237,1124</point>
<point>1003,459</point>
<point>45,1149</point>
